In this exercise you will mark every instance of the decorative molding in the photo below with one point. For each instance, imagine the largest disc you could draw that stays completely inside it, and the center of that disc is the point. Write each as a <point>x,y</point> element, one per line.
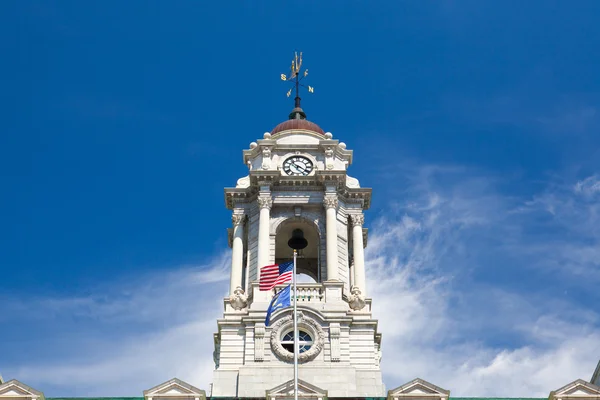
<point>239,299</point>
<point>329,158</point>
<point>356,300</point>
<point>259,341</point>
<point>230,237</point>
<point>304,322</point>
<point>237,219</point>
<point>217,351</point>
<point>279,218</point>
<point>418,389</point>
<point>330,201</point>
<point>266,157</point>
<point>378,355</point>
<point>265,202</point>
<point>576,390</point>
<point>305,391</point>
<point>334,339</point>
<point>174,389</point>
<point>244,182</point>
<point>14,389</point>
<point>357,219</point>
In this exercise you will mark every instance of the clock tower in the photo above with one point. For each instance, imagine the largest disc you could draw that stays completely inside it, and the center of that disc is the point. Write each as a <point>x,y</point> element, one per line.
<point>298,183</point>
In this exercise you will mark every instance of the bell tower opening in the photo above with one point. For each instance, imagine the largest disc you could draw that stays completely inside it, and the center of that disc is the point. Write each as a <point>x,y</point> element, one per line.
<point>308,260</point>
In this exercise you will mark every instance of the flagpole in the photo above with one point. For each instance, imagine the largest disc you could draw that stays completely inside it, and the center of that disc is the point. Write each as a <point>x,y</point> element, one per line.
<point>295,333</point>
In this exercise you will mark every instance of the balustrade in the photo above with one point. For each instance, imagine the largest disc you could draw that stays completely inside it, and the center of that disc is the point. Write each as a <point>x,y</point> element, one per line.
<point>307,292</point>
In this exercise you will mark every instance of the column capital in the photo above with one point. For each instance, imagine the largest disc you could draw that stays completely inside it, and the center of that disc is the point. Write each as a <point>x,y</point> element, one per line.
<point>330,201</point>
<point>238,219</point>
<point>357,219</point>
<point>265,201</point>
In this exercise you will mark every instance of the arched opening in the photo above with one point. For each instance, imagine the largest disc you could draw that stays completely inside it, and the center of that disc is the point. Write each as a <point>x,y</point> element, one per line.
<point>307,266</point>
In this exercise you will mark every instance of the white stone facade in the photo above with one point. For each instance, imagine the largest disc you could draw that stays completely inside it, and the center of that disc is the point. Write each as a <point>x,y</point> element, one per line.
<point>327,205</point>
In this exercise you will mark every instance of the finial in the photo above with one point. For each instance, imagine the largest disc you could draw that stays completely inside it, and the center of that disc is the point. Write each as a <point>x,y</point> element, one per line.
<point>295,77</point>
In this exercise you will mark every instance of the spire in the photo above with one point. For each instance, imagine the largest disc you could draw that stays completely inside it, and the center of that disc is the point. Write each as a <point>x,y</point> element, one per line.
<point>297,112</point>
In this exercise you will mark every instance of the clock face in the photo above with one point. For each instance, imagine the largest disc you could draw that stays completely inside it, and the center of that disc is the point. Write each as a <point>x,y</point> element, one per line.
<point>297,166</point>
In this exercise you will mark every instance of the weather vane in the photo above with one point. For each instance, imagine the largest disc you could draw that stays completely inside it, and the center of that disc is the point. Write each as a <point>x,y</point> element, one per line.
<point>296,77</point>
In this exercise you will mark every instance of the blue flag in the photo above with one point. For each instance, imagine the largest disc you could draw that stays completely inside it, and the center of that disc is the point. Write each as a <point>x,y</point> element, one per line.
<point>281,300</point>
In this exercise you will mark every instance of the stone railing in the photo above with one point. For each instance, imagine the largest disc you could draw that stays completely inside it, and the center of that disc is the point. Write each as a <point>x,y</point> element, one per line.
<point>312,294</point>
<point>307,292</point>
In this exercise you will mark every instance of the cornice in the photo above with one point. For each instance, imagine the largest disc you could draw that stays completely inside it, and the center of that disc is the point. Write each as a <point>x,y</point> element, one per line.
<point>234,196</point>
<point>237,196</point>
<point>357,195</point>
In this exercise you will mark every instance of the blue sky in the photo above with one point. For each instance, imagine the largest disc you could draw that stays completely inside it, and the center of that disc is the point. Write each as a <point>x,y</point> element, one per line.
<point>475,122</point>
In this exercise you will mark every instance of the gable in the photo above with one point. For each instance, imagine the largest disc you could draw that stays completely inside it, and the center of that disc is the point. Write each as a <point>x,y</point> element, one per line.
<point>175,389</point>
<point>305,389</point>
<point>416,389</point>
<point>14,388</point>
<point>576,389</point>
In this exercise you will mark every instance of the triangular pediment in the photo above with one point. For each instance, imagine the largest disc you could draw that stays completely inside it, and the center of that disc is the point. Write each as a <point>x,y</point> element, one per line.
<point>305,390</point>
<point>416,389</point>
<point>175,388</point>
<point>14,388</point>
<point>576,389</point>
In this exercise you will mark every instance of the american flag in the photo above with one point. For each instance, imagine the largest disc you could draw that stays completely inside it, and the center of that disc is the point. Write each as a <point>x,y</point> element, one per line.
<point>272,275</point>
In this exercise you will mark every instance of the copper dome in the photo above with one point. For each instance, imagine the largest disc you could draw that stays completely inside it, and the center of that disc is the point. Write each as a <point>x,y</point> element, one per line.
<point>297,124</point>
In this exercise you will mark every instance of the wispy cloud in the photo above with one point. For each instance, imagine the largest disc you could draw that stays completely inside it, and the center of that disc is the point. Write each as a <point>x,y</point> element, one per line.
<point>454,312</point>
<point>472,284</point>
<point>128,335</point>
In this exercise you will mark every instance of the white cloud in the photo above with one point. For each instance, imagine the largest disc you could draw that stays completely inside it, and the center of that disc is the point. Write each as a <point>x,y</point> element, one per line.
<point>454,272</point>
<point>588,187</point>
<point>443,322</point>
<point>161,327</point>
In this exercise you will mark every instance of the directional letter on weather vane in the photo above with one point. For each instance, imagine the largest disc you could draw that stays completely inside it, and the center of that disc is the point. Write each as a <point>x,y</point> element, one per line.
<point>295,76</point>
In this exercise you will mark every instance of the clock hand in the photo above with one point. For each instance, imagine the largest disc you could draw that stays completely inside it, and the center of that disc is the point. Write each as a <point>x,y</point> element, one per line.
<point>300,167</point>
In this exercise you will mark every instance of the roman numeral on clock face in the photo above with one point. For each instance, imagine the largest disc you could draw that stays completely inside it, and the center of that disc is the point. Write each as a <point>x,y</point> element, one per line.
<point>297,166</point>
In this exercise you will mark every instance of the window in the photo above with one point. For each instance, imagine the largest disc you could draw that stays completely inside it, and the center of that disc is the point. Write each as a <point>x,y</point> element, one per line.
<point>305,342</point>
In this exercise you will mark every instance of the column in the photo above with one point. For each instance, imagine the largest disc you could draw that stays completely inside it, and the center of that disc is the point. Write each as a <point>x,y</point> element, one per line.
<point>330,203</point>
<point>264,202</point>
<point>237,252</point>
<point>359,252</point>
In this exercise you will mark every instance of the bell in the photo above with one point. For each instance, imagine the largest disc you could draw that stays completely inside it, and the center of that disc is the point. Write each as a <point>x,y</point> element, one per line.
<point>297,241</point>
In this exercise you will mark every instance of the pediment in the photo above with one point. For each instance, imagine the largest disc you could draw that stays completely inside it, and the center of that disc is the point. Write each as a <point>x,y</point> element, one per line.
<point>175,388</point>
<point>14,388</point>
<point>305,390</point>
<point>417,389</point>
<point>576,389</point>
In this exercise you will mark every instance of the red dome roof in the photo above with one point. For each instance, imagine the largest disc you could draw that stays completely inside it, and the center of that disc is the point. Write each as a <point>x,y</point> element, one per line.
<point>293,124</point>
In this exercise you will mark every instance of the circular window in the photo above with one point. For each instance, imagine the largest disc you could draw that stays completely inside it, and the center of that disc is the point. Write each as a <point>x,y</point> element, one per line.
<point>305,341</point>
<point>311,338</point>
